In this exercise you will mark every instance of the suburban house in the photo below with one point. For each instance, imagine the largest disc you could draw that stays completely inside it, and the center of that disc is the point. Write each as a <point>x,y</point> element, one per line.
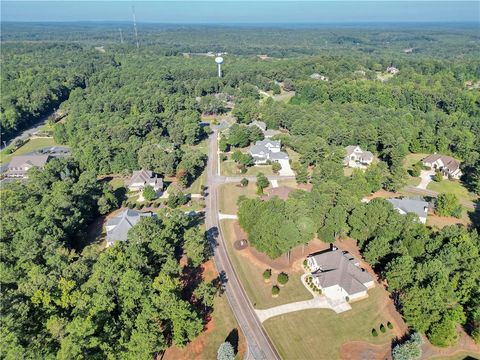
<point>356,157</point>
<point>118,226</point>
<point>407,205</point>
<point>19,165</point>
<point>265,151</point>
<point>143,178</point>
<point>447,164</point>
<point>392,70</point>
<point>317,76</point>
<point>339,275</point>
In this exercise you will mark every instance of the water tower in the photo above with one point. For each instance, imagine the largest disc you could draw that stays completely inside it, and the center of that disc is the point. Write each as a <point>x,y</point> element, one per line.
<point>219,61</point>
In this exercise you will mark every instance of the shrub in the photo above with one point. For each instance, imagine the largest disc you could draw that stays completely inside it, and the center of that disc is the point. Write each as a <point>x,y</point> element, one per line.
<point>275,290</point>
<point>374,333</point>
<point>410,349</point>
<point>223,157</point>
<point>438,176</point>
<point>226,352</point>
<point>389,325</point>
<point>282,278</point>
<point>244,182</point>
<point>382,328</point>
<point>276,167</point>
<point>267,274</point>
<point>131,206</point>
<point>149,193</point>
<point>140,206</point>
<point>305,263</point>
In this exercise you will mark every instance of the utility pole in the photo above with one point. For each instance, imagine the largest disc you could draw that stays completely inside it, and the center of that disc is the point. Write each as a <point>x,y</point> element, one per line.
<point>135,26</point>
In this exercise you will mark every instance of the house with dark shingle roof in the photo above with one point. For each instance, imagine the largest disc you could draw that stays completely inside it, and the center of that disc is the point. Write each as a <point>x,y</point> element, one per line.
<point>449,166</point>
<point>118,226</point>
<point>19,165</point>
<point>339,275</point>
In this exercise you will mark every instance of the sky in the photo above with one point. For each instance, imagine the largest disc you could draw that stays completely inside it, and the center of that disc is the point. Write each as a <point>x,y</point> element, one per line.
<point>243,11</point>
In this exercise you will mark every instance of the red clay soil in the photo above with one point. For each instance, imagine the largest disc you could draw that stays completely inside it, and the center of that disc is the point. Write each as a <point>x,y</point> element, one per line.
<point>306,187</point>
<point>442,221</point>
<point>359,350</point>
<point>383,194</point>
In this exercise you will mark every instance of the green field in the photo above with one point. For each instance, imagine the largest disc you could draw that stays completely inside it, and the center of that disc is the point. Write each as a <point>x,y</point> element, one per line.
<point>320,333</point>
<point>250,274</point>
<point>229,168</point>
<point>452,187</point>
<point>229,194</point>
<point>32,145</point>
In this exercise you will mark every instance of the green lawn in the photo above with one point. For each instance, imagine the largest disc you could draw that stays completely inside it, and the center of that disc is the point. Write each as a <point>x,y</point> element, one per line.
<point>320,333</point>
<point>229,168</point>
<point>32,145</point>
<point>117,183</point>
<point>229,194</point>
<point>451,186</point>
<point>293,156</point>
<point>250,274</point>
<point>347,171</point>
<point>195,188</point>
<point>411,159</point>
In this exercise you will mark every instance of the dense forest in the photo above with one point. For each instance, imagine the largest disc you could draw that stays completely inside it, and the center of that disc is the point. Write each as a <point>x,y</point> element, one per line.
<point>129,109</point>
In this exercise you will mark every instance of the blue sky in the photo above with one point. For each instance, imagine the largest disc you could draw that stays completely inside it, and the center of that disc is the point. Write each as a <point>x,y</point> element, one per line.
<point>230,11</point>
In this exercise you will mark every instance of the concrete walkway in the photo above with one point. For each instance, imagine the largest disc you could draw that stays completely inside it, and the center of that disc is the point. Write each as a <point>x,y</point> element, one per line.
<point>227,216</point>
<point>426,176</point>
<point>274,183</point>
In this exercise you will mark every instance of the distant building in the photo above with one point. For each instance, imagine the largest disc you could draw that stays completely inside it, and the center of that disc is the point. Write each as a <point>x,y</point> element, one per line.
<point>408,50</point>
<point>339,275</point>
<point>118,226</point>
<point>262,126</point>
<point>19,165</point>
<point>392,70</point>
<point>446,164</point>
<point>143,178</point>
<point>317,76</point>
<point>415,206</point>
<point>356,157</point>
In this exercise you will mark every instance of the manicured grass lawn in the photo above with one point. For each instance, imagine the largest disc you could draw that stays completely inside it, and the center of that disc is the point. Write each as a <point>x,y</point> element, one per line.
<point>229,194</point>
<point>411,159</point>
<point>117,183</point>
<point>229,168</point>
<point>195,188</point>
<point>347,171</point>
<point>413,181</point>
<point>293,156</point>
<point>451,186</point>
<point>250,274</point>
<point>32,145</point>
<point>320,333</point>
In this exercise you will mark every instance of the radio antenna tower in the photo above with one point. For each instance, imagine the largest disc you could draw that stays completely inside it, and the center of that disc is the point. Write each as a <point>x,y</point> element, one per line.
<point>135,26</point>
<point>121,36</point>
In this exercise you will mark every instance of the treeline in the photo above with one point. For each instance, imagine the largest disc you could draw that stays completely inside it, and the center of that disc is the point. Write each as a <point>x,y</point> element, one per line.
<point>435,275</point>
<point>32,88</point>
<point>66,300</point>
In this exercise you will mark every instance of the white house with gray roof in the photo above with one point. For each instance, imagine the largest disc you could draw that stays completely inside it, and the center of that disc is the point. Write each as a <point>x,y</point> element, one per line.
<point>408,205</point>
<point>339,275</point>
<point>449,166</point>
<point>19,165</point>
<point>356,157</point>
<point>143,178</point>
<point>265,151</point>
<point>118,226</point>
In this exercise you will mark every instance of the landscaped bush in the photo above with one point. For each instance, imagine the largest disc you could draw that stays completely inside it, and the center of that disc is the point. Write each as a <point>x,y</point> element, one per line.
<point>149,193</point>
<point>275,290</point>
<point>374,333</point>
<point>305,263</point>
<point>389,325</point>
<point>282,278</point>
<point>131,206</point>
<point>382,328</point>
<point>267,274</point>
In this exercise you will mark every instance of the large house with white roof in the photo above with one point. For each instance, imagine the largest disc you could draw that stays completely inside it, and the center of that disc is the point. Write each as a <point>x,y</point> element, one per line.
<point>356,157</point>
<point>416,206</point>
<point>19,165</point>
<point>143,178</point>
<point>339,275</point>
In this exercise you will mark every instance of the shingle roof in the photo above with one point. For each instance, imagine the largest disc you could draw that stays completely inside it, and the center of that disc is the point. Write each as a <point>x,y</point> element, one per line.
<point>124,222</point>
<point>279,155</point>
<point>407,205</point>
<point>449,162</point>
<point>340,268</point>
<point>145,176</point>
<point>32,160</point>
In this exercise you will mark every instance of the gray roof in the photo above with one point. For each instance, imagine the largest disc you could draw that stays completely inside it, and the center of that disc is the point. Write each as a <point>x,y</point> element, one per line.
<point>365,155</point>
<point>260,124</point>
<point>449,162</point>
<point>258,150</point>
<point>145,176</point>
<point>28,160</point>
<point>341,268</point>
<point>407,205</point>
<point>271,143</point>
<point>124,222</point>
<point>279,155</point>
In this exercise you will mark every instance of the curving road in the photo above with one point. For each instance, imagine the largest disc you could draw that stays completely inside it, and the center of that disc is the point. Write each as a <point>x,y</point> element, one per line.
<point>259,346</point>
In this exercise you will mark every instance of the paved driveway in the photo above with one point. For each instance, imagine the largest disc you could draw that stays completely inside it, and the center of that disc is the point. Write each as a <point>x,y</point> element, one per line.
<point>426,176</point>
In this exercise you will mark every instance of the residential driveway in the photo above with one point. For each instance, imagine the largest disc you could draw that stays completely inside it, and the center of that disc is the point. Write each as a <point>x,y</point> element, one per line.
<point>227,216</point>
<point>426,176</point>
<point>286,170</point>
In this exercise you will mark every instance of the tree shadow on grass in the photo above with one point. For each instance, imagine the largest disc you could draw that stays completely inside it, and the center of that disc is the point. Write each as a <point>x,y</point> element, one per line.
<point>233,339</point>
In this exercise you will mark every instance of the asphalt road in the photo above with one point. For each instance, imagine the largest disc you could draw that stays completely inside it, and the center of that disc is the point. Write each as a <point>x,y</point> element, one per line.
<point>259,346</point>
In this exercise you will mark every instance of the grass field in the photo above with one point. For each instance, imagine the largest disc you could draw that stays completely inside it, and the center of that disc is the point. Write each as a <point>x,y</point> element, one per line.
<point>195,188</point>
<point>229,168</point>
<point>408,163</point>
<point>250,274</point>
<point>451,186</point>
<point>32,145</point>
<point>307,334</point>
<point>229,194</point>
